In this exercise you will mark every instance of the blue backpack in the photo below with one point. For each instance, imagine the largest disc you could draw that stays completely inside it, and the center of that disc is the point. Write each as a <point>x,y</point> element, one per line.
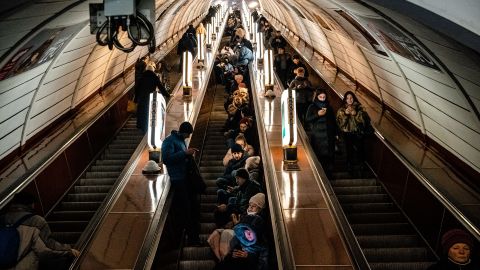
<point>10,242</point>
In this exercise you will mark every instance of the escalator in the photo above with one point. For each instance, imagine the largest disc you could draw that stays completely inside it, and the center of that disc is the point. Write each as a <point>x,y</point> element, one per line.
<point>211,167</point>
<point>386,237</point>
<point>71,216</point>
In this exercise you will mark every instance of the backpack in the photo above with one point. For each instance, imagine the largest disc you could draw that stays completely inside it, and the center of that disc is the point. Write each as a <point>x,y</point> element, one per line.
<point>10,242</point>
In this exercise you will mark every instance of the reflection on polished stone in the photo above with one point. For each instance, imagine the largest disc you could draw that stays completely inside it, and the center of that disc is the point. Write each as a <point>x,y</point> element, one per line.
<point>141,194</point>
<point>117,243</point>
<point>299,191</point>
<point>314,238</point>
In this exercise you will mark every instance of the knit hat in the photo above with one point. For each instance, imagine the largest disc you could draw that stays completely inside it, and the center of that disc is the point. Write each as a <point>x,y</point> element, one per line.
<point>252,163</point>
<point>455,236</point>
<point>258,199</point>
<point>186,128</point>
<point>236,148</point>
<point>242,173</point>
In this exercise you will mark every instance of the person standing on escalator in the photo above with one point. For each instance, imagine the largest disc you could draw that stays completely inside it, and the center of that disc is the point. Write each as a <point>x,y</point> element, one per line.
<point>148,83</point>
<point>175,156</point>
<point>37,249</point>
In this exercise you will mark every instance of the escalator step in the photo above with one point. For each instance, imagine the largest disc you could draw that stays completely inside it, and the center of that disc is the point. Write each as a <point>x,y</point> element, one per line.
<point>397,254</point>
<point>118,151</point>
<point>96,181</point>
<point>197,253</point>
<point>371,198</point>
<point>68,226</point>
<point>214,157</point>
<point>208,207</point>
<point>207,217</point>
<point>209,198</point>
<point>392,217</point>
<point>71,215</point>
<point>216,169</point>
<point>368,207</point>
<point>377,241</point>
<point>106,168</point>
<point>66,237</point>
<point>92,189</point>
<point>384,228</point>
<point>79,206</point>
<point>211,189</point>
<point>401,266</point>
<point>102,174</point>
<point>101,162</point>
<point>212,162</point>
<point>207,227</point>
<point>197,265</point>
<point>354,182</point>
<point>124,157</point>
<point>358,190</point>
<point>85,197</point>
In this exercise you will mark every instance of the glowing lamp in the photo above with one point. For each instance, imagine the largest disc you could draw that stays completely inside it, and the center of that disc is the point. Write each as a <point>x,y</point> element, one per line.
<point>209,37</point>
<point>289,130</point>
<point>156,125</point>
<point>214,28</point>
<point>201,50</point>
<point>268,70</point>
<point>187,77</point>
<point>260,48</point>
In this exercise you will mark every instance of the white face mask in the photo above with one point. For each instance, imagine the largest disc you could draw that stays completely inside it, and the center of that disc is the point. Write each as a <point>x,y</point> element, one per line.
<point>250,213</point>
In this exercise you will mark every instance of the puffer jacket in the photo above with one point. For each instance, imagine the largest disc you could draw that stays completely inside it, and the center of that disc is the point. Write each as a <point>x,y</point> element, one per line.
<point>351,123</point>
<point>175,157</point>
<point>35,240</point>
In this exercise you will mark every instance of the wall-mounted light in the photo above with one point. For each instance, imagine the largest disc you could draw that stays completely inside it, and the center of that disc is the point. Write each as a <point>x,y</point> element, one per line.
<point>253,30</point>
<point>214,28</point>
<point>187,77</point>
<point>268,71</point>
<point>209,36</point>
<point>260,48</point>
<point>156,125</point>
<point>201,50</point>
<point>289,130</point>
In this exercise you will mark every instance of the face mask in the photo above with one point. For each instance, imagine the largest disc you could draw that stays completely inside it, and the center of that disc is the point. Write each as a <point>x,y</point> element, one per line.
<point>250,213</point>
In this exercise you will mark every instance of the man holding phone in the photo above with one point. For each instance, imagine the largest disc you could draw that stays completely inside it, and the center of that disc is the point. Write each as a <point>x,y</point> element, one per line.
<point>175,155</point>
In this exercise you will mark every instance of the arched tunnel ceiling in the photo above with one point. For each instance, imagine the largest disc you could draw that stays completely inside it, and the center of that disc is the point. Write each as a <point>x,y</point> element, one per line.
<point>429,79</point>
<point>436,87</point>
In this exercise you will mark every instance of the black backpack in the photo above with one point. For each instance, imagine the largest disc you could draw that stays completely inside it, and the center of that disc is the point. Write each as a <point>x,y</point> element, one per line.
<point>10,242</point>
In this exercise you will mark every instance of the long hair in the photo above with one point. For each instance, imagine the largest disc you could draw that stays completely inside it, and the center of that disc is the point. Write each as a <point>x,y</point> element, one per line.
<point>344,100</point>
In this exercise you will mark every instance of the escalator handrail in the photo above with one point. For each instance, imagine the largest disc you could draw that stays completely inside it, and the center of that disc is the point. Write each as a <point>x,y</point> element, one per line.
<point>283,246</point>
<point>335,207</point>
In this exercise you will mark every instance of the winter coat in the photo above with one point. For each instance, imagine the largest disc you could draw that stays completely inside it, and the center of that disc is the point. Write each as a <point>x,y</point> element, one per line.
<point>35,240</point>
<point>446,264</point>
<point>228,156</point>
<point>295,66</point>
<point>322,128</point>
<point>188,42</point>
<point>234,164</point>
<point>148,83</point>
<point>351,123</point>
<point>245,56</point>
<point>174,156</point>
<point>283,62</point>
<point>278,42</point>
<point>244,193</point>
<point>303,87</point>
